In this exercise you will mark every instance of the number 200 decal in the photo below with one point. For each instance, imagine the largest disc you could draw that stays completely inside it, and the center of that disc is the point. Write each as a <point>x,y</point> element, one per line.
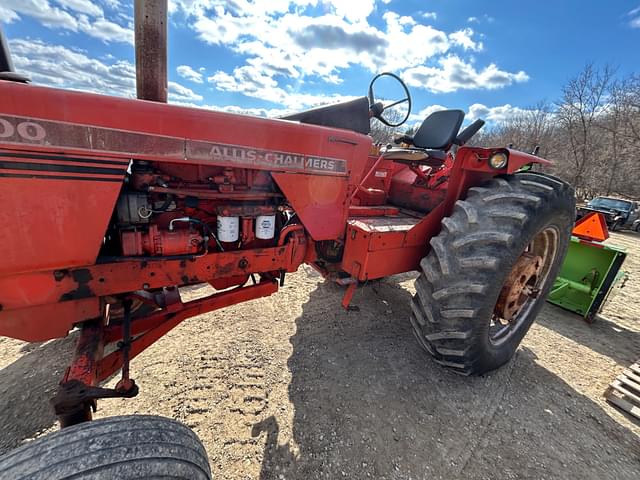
<point>29,131</point>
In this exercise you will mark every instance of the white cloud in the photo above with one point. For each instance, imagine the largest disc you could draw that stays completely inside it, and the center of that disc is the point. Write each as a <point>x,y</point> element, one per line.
<point>282,43</point>
<point>294,45</point>
<point>498,114</point>
<point>73,15</point>
<point>105,30</point>
<point>425,112</point>
<point>188,73</point>
<point>416,119</point>
<point>483,19</point>
<point>42,11</point>
<point>454,74</point>
<point>463,39</point>
<point>82,6</point>
<point>256,112</point>
<point>8,16</point>
<point>353,10</point>
<point>61,67</point>
<point>635,20</point>
<point>181,93</point>
<point>492,115</point>
<point>251,82</point>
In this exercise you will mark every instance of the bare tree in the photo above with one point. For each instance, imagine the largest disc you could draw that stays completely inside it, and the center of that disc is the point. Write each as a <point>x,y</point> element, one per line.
<point>527,129</point>
<point>592,133</point>
<point>383,134</point>
<point>584,97</point>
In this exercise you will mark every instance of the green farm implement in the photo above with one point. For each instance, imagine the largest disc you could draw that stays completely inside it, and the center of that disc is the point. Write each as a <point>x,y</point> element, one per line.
<point>590,271</point>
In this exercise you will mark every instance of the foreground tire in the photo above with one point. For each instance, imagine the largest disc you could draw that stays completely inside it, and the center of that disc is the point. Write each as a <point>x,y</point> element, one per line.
<point>128,447</point>
<point>489,270</point>
<point>616,225</point>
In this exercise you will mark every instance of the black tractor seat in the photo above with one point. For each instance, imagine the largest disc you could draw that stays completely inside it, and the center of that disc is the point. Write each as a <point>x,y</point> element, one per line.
<point>429,145</point>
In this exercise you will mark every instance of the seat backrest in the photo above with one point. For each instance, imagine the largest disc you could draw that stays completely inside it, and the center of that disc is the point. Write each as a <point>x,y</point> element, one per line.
<point>351,115</point>
<point>439,130</point>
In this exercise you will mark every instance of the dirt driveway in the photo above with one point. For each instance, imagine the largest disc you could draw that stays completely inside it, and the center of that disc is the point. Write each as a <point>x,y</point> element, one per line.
<point>294,387</point>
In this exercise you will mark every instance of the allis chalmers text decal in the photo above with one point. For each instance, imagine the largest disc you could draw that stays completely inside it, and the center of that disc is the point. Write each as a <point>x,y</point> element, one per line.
<point>18,130</point>
<point>249,157</point>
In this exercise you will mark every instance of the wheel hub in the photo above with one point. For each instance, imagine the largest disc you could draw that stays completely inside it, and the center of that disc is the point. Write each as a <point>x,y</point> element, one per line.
<point>519,286</point>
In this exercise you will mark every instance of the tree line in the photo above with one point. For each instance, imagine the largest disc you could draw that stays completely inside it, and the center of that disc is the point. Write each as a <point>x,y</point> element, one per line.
<point>592,133</point>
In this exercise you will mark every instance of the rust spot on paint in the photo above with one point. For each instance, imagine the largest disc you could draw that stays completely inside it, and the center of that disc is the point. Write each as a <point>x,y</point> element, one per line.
<point>224,269</point>
<point>82,277</point>
<point>60,274</point>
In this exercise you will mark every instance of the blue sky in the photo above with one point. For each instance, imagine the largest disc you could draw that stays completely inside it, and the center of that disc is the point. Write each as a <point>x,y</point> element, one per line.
<point>489,58</point>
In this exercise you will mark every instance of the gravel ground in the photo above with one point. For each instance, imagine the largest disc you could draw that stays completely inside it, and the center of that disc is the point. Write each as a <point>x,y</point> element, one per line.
<point>294,387</point>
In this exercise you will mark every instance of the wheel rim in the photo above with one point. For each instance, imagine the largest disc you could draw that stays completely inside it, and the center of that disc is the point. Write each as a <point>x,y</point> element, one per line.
<point>526,280</point>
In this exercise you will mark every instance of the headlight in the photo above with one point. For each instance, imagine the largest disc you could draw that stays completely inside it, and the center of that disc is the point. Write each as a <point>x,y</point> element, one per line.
<point>498,160</point>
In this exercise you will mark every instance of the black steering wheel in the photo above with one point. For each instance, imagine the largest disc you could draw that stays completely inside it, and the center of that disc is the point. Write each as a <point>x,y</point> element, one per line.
<point>377,108</point>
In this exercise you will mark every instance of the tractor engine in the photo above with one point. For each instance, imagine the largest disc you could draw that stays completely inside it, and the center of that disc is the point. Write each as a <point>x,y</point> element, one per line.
<point>169,210</point>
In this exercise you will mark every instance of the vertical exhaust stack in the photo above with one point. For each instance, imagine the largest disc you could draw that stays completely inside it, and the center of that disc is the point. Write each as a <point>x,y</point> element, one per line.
<point>7,71</point>
<point>151,49</point>
<point>6,65</point>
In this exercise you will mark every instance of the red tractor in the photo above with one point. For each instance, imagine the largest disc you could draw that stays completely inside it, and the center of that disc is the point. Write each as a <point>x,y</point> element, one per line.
<point>111,205</point>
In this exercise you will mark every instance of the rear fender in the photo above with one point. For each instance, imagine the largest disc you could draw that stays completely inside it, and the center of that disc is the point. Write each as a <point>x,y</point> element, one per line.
<point>477,159</point>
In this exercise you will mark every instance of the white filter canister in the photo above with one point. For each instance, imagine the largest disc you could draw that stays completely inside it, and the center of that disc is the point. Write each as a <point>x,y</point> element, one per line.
<point>228,229</point>
<point>265,227</point>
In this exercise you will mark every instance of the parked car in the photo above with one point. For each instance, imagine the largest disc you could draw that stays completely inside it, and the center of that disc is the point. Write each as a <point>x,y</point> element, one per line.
<point>617,212</point>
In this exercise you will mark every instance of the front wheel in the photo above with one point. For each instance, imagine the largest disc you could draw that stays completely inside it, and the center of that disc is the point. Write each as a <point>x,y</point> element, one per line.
<point>616,225</point>
<point>490,269</point>
<point>129,447</point>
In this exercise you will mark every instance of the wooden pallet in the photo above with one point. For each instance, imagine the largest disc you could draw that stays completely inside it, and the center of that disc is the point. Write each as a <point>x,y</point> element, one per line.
<point>624,391</point>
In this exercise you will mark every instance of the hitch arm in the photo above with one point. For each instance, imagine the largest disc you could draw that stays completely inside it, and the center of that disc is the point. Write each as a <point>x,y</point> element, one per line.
<point>74,400</point>
<point>77,394</point>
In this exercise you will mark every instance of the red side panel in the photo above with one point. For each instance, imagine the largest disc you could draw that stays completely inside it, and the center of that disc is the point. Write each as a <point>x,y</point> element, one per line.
<point>43,322</point>
<point>319,201</point>
<point>322,202</point>
<point>55,209</point>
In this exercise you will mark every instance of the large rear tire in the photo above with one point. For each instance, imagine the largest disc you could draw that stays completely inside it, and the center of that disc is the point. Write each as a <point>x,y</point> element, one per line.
<point>490,269</point>
<point>127,447</point>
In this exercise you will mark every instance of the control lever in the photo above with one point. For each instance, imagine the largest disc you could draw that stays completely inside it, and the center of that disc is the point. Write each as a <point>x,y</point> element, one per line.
<point>376,109</point>
<point>403,139</point>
